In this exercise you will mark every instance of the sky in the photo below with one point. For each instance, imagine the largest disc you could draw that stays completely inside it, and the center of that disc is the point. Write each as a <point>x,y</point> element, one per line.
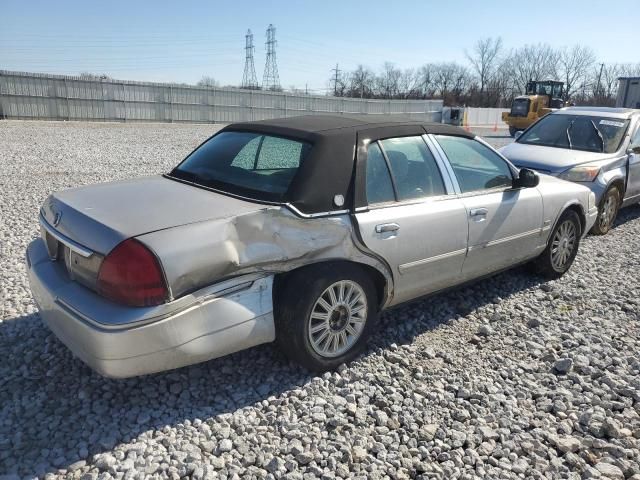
<point>181,41</point>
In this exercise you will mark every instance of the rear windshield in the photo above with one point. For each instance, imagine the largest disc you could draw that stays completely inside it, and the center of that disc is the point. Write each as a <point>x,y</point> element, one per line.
<point>577,132</point>
<point>246,163</point>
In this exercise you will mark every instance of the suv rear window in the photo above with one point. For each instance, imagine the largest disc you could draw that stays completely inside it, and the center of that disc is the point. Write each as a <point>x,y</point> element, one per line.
<point>247,163</point>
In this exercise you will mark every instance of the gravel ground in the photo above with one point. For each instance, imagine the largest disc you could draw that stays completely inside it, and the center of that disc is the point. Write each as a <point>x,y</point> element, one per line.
<point>509,378</point>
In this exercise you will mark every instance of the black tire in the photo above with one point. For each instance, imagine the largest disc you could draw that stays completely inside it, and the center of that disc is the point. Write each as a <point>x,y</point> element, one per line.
<point>296,297</point>
<point>607,212</point>
<point>549,263</point>
<point>512,131</point>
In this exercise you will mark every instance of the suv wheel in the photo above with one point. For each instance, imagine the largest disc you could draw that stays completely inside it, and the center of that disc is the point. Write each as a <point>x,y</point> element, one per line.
<point>608,211</point>
<point>324,314</point>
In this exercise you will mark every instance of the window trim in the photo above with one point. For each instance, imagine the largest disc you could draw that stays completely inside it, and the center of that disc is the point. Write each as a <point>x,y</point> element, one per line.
<point>444,175</point>
<point>472,193</point>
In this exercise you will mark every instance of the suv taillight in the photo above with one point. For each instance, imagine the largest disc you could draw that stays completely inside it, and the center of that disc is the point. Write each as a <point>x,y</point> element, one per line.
<point>131,274</point>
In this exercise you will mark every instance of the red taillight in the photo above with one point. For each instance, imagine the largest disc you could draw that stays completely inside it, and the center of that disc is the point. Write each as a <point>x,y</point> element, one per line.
<point>131,275</point>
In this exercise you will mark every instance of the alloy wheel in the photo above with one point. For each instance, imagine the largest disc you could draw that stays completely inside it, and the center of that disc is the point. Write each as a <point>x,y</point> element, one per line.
<point>608,212</point>
<point>563,244</point>
<point>337,318</point>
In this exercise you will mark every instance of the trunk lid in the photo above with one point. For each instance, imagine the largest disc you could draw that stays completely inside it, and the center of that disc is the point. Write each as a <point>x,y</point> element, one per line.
<point>101,216</point>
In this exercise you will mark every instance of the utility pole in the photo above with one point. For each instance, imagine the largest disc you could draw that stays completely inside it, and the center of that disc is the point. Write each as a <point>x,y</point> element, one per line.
<point>597,92</point>
<point>271,79</point>
<point>335,80</point>
<point>249,79</point>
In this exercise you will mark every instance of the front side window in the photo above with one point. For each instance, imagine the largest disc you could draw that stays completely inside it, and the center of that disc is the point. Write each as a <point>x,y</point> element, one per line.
<point>414,170</point>
<point>476,166</point>
<point>577,132</point>
<point>248,163</point>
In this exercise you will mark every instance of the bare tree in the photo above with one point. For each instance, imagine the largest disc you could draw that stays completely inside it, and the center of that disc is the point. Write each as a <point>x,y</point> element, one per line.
<point>388,81</point>
<point>484,59</point>
<point>575,64</point>
<point>426,79</point>
<point>361,82</point>
<point>531,62</point>
<point>207,81</point>
<point>630,70</point>
<point>408,84</point>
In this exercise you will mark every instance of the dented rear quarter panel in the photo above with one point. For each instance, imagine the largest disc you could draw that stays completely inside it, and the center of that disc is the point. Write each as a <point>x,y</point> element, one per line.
<point>270,240</point>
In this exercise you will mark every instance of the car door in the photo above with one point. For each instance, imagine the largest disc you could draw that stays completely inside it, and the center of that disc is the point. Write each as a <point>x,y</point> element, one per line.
<point>412,217</point>
<point>505,223</point>
<point>633,181</point>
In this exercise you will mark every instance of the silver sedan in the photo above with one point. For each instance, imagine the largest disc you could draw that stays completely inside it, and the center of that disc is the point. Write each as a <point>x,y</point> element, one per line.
<point>297,230</point>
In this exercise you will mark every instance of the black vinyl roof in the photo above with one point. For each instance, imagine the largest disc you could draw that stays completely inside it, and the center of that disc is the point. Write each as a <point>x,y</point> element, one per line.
<point>327,125</point>
<point>329,168</point>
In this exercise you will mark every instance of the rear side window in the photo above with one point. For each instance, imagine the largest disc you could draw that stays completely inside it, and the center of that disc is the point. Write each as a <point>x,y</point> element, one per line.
<point>245,162</point>
<point>414,170</point>
<point>379,186</point>
<point>476,167</point>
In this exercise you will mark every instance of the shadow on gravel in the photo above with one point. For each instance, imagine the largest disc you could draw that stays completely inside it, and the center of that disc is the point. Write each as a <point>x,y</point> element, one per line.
<point>627,214</point>
<point>55,411</point>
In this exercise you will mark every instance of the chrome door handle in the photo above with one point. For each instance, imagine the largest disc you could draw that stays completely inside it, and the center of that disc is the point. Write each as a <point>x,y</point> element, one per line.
<point>478,212</point>
<point>387,227</point>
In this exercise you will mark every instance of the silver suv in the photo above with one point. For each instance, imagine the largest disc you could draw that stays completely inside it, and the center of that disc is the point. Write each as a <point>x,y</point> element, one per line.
<point>595,147</point>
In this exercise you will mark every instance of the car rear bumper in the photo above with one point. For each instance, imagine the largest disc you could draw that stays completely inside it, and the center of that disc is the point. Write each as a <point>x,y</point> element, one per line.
<point>120,341</point>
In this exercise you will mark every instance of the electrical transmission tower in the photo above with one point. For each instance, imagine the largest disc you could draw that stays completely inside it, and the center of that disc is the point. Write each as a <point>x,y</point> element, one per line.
<point>271,79</point>
<point>249,79</point>
<point>335,80</point>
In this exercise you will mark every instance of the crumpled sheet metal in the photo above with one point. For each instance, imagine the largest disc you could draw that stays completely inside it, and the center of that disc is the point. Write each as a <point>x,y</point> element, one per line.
<point>270,240</point>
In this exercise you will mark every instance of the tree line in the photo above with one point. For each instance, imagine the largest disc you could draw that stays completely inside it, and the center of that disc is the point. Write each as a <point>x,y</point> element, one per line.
<point>491,76</point>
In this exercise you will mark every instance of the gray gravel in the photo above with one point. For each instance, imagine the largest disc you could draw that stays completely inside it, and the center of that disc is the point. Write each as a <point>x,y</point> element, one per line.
<point>508,378</point>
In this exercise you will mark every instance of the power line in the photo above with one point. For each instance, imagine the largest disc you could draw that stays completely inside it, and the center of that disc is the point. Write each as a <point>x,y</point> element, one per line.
<point>249,79</point>
<point>271,79</point>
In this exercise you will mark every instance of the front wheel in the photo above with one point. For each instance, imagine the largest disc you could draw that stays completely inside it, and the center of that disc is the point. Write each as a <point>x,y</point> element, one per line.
<point>512,131</point>
<point>562,247</point>
<point>608,212</point>
<point>324,314</point>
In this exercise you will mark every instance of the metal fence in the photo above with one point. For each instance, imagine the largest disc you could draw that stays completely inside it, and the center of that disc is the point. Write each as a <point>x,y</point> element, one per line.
<point>58,97</point>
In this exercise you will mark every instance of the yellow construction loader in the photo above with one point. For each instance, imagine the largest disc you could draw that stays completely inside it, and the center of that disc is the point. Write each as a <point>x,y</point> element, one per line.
<point>540,98</point>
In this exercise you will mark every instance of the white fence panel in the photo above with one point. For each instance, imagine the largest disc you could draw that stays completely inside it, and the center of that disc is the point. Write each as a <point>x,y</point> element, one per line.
<point>485,117</point>
<point>57,97</point>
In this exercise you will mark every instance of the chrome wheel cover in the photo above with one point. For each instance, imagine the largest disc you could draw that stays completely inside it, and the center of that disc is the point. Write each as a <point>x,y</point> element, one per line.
<point>608,212</point>
<point>337,319</point>
<point>563,244</point>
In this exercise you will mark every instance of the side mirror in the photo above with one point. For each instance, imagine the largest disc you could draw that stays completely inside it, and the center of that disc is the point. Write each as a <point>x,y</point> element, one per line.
<point>527,179</point>
<point>517,135</point>
<point>635,149</point>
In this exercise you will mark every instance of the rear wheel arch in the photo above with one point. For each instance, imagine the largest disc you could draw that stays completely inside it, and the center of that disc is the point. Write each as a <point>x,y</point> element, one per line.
<point>377,277</point>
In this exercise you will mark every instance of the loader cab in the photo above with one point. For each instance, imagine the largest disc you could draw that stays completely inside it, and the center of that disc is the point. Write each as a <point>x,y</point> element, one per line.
<point>541,97</point>
<point>550,89</point>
